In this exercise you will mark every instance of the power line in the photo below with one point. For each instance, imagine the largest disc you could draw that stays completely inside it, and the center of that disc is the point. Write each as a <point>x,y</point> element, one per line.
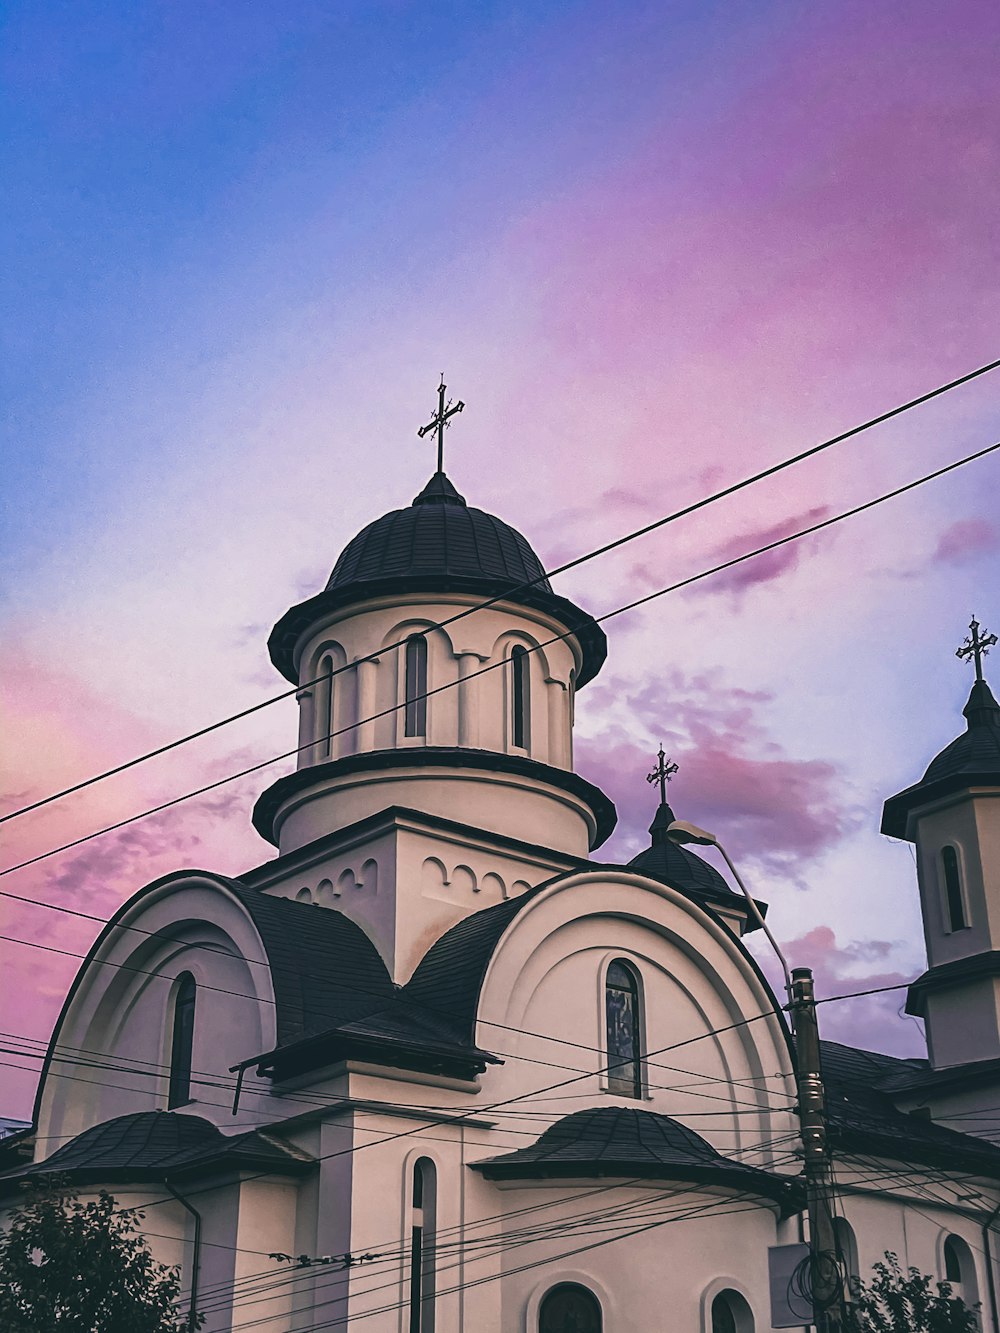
<point>386,712</point>
<point>523,587</point>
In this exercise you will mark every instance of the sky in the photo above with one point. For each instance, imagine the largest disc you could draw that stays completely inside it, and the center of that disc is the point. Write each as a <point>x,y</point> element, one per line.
<point>654,248</point>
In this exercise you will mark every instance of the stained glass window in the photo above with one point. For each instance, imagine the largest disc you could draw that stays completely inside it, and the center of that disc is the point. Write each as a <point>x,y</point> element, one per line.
<point>416,686</point>
<point>570,1308</point>
<point>621,993</point>
<point>182,1042</point>
<point>953,889</point>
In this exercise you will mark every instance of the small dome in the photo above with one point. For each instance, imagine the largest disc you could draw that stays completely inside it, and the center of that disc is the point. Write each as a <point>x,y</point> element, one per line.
<point>438,535</point>
<point>676,866</point>
<point>971,760</point>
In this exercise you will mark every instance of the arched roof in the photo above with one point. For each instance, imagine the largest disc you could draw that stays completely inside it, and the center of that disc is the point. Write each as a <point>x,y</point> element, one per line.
<point>623,1141</point>
<point>439,543</point>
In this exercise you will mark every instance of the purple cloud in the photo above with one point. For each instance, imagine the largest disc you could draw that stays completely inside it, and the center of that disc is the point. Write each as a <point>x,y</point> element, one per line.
<point>965,539</point>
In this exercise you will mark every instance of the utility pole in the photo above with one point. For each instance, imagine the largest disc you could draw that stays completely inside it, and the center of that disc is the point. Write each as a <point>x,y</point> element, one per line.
<point>827,1279</point>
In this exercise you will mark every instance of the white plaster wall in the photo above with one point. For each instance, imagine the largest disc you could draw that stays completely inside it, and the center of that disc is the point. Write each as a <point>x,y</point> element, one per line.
<point>506,803</point>
<point>474,711</point>
<point>121,1011</point>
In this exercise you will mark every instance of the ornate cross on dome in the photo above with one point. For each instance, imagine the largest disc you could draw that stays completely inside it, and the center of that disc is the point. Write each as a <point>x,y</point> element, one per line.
<point>440,420</point>
<point>976,646</point>
<point>662,774</point>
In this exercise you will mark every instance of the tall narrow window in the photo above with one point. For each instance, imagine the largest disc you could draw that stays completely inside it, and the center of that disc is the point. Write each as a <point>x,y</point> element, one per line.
<point>520,697</point>
<point>569,1308</point>
<point>422,1231</point>
<point>182,1042</point>
<point>953,889</point>
<point>621,1002</point>
<point>324,707</point>
<point>416,686</point>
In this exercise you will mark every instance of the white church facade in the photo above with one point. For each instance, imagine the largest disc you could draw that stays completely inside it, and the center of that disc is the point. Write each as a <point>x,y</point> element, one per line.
<point>466,1075</point>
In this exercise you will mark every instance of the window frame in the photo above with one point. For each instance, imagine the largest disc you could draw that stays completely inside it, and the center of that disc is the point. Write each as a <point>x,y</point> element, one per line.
<point>422,1280</point>
<point>520,697</point>
<point>952,889</point>
<point>415,685</point>
<point>184,1003</point>
<point>637,1082</point>
<point>569,1283</point>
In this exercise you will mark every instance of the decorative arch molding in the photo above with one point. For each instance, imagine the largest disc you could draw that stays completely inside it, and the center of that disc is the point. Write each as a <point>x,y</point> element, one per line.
<point>719,981</point>
<point>325,701</point>
<point>186,922</point>
<point>718,1287</point>
<point>956,1263</point>
<point>555,1276</point>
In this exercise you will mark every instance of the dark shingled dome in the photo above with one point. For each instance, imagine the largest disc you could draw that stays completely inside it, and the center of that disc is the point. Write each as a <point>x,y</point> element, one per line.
<point>438,534</point>
<point>437,544</point>
<point>971,760</point>
<point>676,866</point>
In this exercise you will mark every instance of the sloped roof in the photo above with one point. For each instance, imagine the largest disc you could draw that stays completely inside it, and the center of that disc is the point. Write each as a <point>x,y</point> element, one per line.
<point>665,860</point>
<point>153,1144</point>
<point>863,1116</point>
<point>623,1141</point>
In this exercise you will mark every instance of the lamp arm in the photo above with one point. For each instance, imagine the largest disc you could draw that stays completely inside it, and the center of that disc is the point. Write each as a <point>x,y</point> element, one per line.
<point>756,912</point>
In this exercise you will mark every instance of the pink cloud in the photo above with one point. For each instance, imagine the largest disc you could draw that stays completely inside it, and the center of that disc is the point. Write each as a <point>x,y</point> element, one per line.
<point>873,1022</point>
<point>965,539</point>
<point>734,779</point>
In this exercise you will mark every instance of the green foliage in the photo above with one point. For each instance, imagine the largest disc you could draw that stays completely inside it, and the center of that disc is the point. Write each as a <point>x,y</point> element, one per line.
<point>72,1267</point>
<point>894,1302</point>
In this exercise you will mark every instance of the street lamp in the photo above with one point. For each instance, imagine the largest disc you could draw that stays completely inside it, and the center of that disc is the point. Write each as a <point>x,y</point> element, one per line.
<point>826,1280</point>
<point>681,831</point>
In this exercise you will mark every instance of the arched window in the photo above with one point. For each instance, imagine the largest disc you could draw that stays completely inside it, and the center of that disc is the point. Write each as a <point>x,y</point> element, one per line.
<point>954,902</point>
<point>324,706</point>
<point>731,1314</point>
<point>423,1224</point>
<point>621,1004</point>
<point>416,686</point>
<point>182,1041</point>
<point>520,698</point>
<point>570,1308</point>
<point>960,1270</point>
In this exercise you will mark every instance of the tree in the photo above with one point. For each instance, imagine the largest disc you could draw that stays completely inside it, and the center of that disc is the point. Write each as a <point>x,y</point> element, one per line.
<point>72,1267</point>
<point>892,1302</point>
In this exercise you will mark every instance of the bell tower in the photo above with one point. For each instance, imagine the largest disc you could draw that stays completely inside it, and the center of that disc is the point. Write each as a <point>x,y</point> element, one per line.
<point>952,816</point>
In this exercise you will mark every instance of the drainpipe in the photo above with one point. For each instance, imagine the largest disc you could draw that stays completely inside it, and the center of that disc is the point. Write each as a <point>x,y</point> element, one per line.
<point>988,1251</point>
<point>195,1255</point>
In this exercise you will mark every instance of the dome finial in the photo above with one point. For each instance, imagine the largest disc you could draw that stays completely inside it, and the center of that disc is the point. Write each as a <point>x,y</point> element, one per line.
<point>982,709</point>
<point>662,773</point>
<point>976,646</point>
<point>440,420</point>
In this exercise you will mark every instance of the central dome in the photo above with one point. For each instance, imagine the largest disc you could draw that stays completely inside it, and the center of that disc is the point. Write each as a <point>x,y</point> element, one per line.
<point>438,544</point>
<point>439,535</point>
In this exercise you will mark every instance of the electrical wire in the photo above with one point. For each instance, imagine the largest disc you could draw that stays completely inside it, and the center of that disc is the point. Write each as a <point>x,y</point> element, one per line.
<point>523,587</point>
<point>493,666</point>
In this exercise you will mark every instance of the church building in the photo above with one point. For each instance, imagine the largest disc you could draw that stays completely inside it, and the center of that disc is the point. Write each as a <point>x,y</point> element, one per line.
<point>461,1074</point>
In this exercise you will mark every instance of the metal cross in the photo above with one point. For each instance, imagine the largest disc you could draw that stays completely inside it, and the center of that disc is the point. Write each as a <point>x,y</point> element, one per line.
<point>662,774</point>
<point>440,420</point>
<point>976,646</point>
